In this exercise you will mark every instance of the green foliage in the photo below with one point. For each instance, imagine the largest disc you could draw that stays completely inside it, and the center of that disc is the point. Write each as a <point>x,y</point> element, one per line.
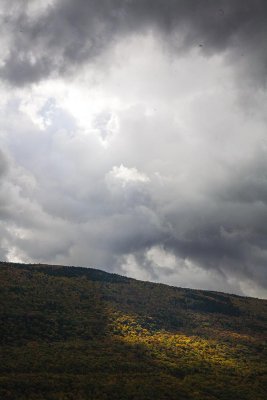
<point>74,333</point>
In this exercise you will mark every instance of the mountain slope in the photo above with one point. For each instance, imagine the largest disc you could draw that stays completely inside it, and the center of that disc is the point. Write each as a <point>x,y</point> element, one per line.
<point>78,333</point>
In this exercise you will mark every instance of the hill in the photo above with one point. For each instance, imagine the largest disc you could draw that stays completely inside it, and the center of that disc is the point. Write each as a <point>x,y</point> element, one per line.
<point>78,333</point>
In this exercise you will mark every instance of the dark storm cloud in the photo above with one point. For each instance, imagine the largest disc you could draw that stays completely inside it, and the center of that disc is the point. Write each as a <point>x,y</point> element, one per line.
<point>229,238</point>
<point>248,183</point>
<point>233,247</point>
<point>227,231</point>
<point>69,33</point>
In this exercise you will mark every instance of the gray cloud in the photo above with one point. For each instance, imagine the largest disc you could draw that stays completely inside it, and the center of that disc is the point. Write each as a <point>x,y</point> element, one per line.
<point>98,217</point>
<point>175,189</point>
<point>66,34</point>
<point>3,164</point>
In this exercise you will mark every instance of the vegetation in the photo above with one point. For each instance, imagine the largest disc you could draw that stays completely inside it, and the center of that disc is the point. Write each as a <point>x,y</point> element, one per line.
<point>76,334</point>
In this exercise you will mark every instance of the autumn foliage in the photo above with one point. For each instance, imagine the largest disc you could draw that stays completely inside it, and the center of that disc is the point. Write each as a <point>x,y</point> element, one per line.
<point>76,334</point>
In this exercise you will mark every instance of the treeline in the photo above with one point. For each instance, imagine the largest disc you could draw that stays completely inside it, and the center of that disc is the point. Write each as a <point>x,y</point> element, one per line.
<point>73,333</point>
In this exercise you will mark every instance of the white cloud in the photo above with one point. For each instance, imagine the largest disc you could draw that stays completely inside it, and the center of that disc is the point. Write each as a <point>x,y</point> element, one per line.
<point>128,175</point>
<point>161,258</point>
<point>131,268</point>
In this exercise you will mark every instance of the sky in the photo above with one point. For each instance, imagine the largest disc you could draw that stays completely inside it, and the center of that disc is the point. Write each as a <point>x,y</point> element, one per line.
<point>133,138</point>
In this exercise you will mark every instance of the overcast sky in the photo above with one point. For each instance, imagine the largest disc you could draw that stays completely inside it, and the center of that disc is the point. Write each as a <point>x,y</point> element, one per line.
<point>133,138</point>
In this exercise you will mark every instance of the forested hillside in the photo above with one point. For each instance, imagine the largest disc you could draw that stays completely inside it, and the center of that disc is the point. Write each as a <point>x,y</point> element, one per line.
<point>70,333</point>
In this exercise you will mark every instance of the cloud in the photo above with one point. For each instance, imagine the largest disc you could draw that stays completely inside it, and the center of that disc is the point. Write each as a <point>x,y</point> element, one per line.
<point>131,142</point>
<point>59,37</point>
<point>3,164</point>
<point>127,175</point>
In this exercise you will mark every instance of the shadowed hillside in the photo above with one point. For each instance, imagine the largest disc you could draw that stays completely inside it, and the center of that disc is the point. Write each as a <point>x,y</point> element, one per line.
<point>77,333</point>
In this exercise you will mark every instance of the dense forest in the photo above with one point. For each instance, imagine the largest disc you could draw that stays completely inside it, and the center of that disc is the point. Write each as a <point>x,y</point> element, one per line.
<point>70,333</point>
